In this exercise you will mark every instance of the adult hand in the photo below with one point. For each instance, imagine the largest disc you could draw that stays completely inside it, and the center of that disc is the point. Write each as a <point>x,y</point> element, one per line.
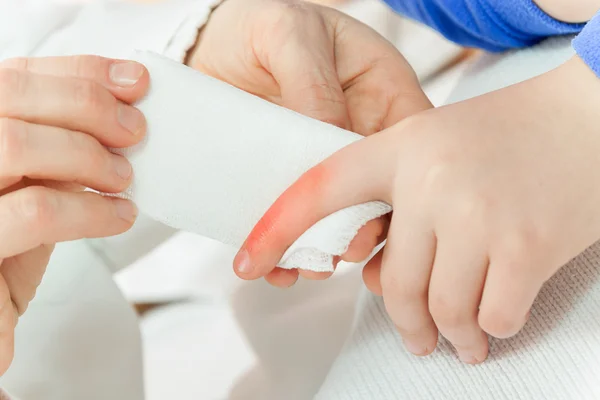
<point>57,116</point>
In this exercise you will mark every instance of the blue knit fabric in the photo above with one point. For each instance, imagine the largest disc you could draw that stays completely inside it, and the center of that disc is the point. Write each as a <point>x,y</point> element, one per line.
<point>493,25</point>
<point>587,44</point>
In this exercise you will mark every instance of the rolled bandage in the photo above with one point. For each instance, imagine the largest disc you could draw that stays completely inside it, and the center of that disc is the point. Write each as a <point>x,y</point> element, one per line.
<point>215,158</point>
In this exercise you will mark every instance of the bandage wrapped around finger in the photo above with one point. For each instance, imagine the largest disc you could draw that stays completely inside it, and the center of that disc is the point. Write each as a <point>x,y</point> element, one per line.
<point>215,158</point>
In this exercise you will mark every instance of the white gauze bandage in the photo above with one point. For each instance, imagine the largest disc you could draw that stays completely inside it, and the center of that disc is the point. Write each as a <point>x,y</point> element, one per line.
<point>215,158</point>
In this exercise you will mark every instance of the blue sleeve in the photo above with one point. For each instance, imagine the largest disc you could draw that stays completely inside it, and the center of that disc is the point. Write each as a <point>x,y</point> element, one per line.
<point>587,44</point>
<point>493,25</point>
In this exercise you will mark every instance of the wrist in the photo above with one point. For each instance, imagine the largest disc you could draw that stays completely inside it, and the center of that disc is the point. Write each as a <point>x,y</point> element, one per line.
<point>580,84</point>
<point>573,90</point>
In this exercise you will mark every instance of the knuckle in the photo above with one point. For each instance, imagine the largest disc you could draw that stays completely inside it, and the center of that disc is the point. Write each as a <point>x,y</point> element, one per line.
<point>37,207</point>
<point>12,144</point>
<point>400,293</point>
<point>94,155</point>
<point>497,323</point>
<point>11,86</point>
<point>446,313</point>
<point>435,172</point>
<point>9,78</point>
<point>89,97</point>
<point>85,65</point>
<point>518,253</point>
<point>432,155</point>
<point>518,245</point>
<point>474,208</point>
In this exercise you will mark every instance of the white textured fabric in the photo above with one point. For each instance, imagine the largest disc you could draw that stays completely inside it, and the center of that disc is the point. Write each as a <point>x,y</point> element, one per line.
<point>215,158</point>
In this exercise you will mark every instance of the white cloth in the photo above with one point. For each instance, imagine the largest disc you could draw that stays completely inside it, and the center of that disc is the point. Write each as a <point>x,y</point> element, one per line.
<point>215,158</point>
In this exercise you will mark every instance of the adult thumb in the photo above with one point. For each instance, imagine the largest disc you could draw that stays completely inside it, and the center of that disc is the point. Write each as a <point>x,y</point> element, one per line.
<point>303,65</point>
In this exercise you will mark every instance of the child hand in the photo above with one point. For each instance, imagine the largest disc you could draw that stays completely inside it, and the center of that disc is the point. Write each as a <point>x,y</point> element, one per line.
<point>491,197</point>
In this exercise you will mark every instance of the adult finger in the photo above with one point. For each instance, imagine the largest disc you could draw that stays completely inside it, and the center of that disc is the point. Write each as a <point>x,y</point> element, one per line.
<point>300,57</point>
<point>36,215</point>
<point>126,80</point>
<point>45,152</point>
<point>70,103</point>
<point>381,88</point>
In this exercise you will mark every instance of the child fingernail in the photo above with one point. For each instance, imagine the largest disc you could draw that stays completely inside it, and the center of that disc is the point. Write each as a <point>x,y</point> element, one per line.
<point>126,73</point>
<point>243,263</point>
<point>467,357</point>
<point>415,348</point>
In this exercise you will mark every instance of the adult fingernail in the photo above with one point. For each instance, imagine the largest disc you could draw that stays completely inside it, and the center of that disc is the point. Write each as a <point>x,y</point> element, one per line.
<point>122,167</point>
<point>243,263</point>
<point>415,348</point>
<point>130,118</point>
<point>125,73</point>
<point>126,210</point>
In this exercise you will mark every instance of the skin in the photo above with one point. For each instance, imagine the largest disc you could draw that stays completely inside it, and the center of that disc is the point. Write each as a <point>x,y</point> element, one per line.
<point>491,197</point>
<point>56,117</point>
<point>574,11</point>
<point>318,62</point>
